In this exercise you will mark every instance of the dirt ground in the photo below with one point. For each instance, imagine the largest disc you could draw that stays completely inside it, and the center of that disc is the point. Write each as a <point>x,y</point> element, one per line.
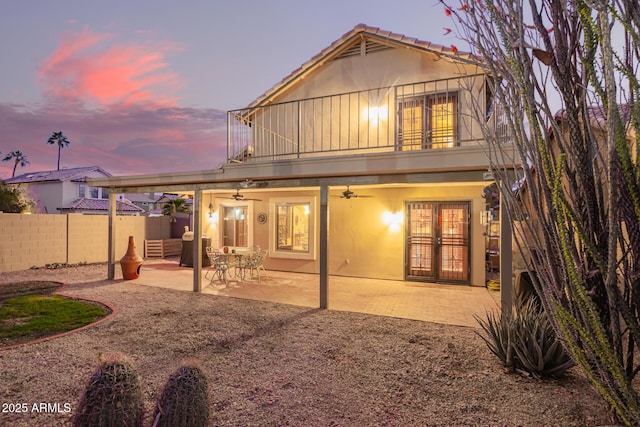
<point>272,364</point>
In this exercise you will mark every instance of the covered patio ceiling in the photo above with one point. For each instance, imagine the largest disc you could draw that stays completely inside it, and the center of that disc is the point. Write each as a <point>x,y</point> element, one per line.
<point>418,168</point>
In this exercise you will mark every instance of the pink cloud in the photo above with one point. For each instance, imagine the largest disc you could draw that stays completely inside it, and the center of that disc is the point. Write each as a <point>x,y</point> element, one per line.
<point>127,140</point>
<point>97,68</point>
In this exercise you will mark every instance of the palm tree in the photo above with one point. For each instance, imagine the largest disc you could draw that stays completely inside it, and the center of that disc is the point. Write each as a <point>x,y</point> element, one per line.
<point>18,159</point>
<point>174,206</point>
<point>61,140</point>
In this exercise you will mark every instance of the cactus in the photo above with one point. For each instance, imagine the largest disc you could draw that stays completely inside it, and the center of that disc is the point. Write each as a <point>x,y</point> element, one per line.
<point>184,400</point>
<point>113,396</point>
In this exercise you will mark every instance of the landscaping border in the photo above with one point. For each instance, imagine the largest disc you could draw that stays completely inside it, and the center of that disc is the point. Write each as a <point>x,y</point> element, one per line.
<point>60,291</point>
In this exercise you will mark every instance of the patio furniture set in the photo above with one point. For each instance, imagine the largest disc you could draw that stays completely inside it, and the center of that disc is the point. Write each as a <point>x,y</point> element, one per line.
<point>236,264</point>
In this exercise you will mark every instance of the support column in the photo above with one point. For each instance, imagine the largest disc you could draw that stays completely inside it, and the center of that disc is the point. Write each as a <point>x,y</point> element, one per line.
<point>506,257</point>
<point>111,249</point>
<point>197,241</point>
<point>324,246</point>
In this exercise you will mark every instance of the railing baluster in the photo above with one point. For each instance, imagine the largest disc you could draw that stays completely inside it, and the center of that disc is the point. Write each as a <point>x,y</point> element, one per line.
<point>325,125</point>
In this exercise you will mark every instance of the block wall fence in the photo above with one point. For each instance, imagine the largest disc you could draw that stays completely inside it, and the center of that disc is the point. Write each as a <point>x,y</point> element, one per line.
<point>36,240</point>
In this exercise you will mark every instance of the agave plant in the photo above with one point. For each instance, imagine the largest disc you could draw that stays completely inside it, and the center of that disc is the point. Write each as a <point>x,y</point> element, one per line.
<point>497,331</point>
<point>526,341</point>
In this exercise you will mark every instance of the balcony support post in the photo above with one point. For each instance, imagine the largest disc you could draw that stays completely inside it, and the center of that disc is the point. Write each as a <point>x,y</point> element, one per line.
<point>111,238</point>
<point>324,246</point>
<point>197,241</point>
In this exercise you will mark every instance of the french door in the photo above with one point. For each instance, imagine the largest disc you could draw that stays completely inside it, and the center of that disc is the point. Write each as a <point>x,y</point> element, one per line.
<point>437,241</point>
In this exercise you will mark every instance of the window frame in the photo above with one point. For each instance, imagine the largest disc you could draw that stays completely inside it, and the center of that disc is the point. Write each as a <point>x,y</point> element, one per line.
<point>426,102</point>
<point>249,220</point>
<point>276,252</point>
<point>84,191</point>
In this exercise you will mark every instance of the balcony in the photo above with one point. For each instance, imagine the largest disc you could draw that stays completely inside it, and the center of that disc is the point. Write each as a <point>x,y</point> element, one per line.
<point>430,115</point>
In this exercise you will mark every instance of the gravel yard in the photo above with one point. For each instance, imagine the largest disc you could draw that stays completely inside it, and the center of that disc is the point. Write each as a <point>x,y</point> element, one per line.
<point>271,364</point>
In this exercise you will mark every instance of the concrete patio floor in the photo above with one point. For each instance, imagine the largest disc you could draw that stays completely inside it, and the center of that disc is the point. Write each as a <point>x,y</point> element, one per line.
<point>438,303</point>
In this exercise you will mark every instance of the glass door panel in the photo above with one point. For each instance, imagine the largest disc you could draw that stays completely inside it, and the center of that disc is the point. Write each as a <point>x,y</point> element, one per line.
<point>438,241</point>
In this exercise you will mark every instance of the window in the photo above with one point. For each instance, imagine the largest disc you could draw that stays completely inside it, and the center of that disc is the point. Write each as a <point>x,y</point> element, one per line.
<point>292,227</point>
<point>92,192</point>
<point>427,121</point>
<point>235,227</point>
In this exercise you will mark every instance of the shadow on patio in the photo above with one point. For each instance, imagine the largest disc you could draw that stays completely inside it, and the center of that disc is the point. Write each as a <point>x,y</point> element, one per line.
<point>445,304</point>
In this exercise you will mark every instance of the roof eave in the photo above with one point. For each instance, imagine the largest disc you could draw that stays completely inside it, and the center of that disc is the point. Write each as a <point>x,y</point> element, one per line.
<point>341,44</point>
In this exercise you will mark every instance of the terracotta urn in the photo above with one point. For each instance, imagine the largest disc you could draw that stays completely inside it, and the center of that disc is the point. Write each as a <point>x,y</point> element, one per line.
<point>131,262</point>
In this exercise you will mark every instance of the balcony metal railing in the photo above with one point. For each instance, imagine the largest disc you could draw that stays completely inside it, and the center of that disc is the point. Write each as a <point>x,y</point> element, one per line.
<point>437,114</point>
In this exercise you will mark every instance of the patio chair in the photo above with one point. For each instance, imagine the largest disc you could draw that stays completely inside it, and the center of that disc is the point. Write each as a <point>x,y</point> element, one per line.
<point>221,265</point>
<point>211,254</point>
<point>255,262</point>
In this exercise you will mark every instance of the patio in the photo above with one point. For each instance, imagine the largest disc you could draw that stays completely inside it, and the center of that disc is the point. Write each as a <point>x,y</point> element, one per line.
<point>438,303</point>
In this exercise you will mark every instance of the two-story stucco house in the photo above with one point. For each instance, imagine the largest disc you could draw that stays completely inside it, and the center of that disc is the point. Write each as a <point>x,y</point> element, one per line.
<point>66,191</point>
<point>366,161</point>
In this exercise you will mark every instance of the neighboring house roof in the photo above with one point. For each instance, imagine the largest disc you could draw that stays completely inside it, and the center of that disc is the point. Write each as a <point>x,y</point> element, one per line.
<point>598,114</point>
<point>342,45</point>
<point>72,174</point>
<point>84,204</point>
<point>167,197</point>
<point>140,198</point>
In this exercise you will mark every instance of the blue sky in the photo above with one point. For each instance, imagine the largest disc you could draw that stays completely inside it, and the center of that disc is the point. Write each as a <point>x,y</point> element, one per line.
<point>143,86</point>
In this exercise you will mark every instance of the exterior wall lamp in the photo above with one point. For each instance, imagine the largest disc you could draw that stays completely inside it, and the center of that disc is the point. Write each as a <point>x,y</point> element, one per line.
<point>374,114</point>
<point>393,219</point>
<point>212,215</point>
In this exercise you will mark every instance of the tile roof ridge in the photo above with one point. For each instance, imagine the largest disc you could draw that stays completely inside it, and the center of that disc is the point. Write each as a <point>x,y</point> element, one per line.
<point>359,30</point>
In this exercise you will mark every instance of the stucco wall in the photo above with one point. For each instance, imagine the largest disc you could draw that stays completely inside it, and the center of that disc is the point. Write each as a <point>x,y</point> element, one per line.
<point>360,243</point>
<point>37,240</point>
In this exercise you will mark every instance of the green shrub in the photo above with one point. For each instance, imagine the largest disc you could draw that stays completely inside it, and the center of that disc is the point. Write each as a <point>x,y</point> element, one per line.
<point>526,341</point>
<point>113,397</point>
<point>184,400</point>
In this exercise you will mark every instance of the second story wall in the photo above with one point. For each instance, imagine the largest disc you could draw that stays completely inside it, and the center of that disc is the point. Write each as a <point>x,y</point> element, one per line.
<point>379,69</point>
<point>369,92</point>
<point>48,196</point>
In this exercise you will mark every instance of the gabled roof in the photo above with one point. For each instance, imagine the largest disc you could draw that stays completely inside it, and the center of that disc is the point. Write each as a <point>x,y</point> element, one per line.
<point>84,204</point>
<point>167,197</point>
<point>72,174</point>
<point>140,198</point>
<point>346,43</point>
<point>598,115</point>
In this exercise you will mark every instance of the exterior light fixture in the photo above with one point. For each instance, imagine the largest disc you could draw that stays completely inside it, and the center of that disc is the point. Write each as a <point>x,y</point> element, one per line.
<point>393,220</point>
<point>211,216</point>
<point>374,114</point>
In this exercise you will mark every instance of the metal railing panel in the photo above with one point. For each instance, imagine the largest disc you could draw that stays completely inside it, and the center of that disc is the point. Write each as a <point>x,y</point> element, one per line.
<point>438,114</point>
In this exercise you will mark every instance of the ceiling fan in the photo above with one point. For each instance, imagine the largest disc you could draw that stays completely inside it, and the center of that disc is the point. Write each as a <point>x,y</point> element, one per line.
<point>348,194</point>
<point>240,197</point>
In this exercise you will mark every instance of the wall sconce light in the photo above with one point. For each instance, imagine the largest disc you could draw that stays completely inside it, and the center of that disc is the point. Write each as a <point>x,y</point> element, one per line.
<point>375,114</point>
<point>211,216</point>
<point>393,220</point>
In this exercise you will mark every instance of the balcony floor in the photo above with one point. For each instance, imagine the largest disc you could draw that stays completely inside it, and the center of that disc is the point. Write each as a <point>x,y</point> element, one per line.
<point>438,303</point>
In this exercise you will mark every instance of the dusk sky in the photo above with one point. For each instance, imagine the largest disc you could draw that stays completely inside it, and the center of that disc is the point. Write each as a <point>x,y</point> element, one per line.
<point>143,86</point>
